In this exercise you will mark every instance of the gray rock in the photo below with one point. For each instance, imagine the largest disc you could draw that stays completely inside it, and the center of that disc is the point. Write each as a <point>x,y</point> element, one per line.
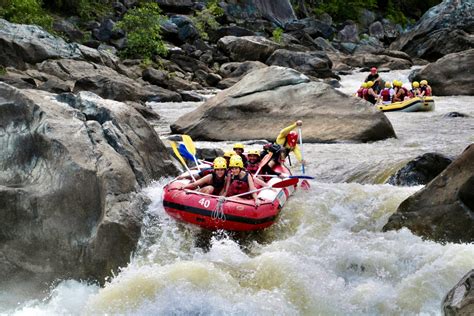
<point>442,210</point>
<point>450,75</point>
<point>443,29</point>
<point>71,169</point>
<point>268,99</point>
<point>316,64</point>
<point>376,30</point>
<point>350,33</point>
<point>460,299</point>
<point>20,44</point>
<point>248,47</point>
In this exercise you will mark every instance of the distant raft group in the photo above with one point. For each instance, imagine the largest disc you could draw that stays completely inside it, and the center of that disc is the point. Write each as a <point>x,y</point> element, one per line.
<point>394,96</point>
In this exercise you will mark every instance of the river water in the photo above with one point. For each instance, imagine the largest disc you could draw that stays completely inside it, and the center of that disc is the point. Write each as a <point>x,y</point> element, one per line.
<point>324,256</point>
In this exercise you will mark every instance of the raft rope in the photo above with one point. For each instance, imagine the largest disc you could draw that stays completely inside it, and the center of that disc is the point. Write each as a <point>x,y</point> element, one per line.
<point>218,213</point>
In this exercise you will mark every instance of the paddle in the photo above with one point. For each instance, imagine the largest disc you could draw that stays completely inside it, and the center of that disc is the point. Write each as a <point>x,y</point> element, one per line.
<point>188,142</point>
<point>181,159</point>
<point>262,163</point>
<point>301,148</point>
<point>278,185</point>
<point>289,177</point>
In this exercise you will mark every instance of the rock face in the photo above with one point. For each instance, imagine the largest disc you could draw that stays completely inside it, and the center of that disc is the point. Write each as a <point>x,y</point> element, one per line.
<point>71,167</point>
<point>247,47</point>
<point>316,64</point>
<point>279,12</point>
<point>421,170</point>
<point>460,299</point>
<point>268,99</point>
<point>444,209</point>
<point>444,29</point>
<point>450,75</point>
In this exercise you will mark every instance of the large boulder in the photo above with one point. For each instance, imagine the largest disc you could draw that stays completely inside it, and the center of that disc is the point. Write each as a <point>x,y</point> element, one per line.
<point>248,47</point>
<point>268,99</point>
<point>316,64</point>
<point>21,44</point>
<point>460,299</point>
<point>444,29</point>
<point>278,12</point>
<point>450,75</point>
<point>71,168</point>
<point>444,209</point>
<point>234,71</point>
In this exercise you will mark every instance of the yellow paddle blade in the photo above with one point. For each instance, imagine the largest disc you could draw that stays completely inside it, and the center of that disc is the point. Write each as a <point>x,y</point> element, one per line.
<point>176,152</point>
<point>188,142</point>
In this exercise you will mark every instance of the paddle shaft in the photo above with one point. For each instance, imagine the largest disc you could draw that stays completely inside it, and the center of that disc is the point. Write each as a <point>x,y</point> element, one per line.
<point>301,149</point>
<point>264,161</point>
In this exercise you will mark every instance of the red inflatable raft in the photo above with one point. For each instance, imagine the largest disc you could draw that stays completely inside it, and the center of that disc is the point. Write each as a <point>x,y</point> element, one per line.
<point>232,213</point>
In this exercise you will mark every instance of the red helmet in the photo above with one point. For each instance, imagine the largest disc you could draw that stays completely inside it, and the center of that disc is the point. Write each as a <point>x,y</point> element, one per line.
<point>292,138</point>
<point>373,69</point>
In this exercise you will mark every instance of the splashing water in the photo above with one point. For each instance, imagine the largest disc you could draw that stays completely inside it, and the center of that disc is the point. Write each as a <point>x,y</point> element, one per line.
<point>326,254</point>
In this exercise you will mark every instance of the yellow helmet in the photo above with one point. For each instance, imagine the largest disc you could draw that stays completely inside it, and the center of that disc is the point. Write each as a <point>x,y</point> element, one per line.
<point>253,152</point>
<point>364,85</point>
<point>388,84</point>
<point>228,154</point>
<point>236,161</point>
<point>397,83</point>
<point>220,163</point>
<point>238,146</point>
<point>370,84</point>
<point>423,82</point>
<point>415,84</point>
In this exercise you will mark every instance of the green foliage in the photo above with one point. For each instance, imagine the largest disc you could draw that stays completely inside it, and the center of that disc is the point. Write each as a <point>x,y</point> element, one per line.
<point>3,71</point>
<point>142,25</point>
<point>206,19</point>
<point>341,10</point>
<point>85,9</point>
<point>277,35</point>
<point>25,12</point>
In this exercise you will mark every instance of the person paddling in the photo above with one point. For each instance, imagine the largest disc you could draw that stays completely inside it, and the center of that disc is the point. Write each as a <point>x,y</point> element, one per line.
<point>288,140</point>
<point>240,181</point>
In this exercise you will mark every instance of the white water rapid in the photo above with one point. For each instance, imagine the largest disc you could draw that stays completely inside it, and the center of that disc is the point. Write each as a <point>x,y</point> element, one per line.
<point>324,256</point>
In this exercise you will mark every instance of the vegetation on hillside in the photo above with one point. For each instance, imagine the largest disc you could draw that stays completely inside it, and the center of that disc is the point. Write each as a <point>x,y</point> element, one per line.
<point>398,11</point>
<point>25,12</point>
<point>142,25</point>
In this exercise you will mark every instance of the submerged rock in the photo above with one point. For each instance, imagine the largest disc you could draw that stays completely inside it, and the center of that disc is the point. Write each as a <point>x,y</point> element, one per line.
<point>421,170</point>
<point>71,170</point>
<point>268,99</point>
<point>444,209</point>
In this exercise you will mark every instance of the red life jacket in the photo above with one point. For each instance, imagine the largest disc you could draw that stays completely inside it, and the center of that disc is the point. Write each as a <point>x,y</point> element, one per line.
<point>252,167</point>
<point>238,186</point>
<point>365,93</point>
<point>360,92</point>
<point>385,93</point>
<point>428,91</point>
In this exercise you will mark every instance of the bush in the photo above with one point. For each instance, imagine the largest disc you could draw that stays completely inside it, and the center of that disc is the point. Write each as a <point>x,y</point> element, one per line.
<point>25,12</point>
<point>142,25</point>
<point>207,18</point>
<point>277,35</point>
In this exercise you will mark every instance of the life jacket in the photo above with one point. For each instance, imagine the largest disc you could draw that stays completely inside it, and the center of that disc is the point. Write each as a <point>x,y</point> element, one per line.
<point>411,93</point>
<point>364,93</point>
<point>370,98</point>
<point>428,91</point>
<point>252,167</point>
<point>359,92</point>
<point>239,186</point>
<point>385,94</point>
<point>217,183</point>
